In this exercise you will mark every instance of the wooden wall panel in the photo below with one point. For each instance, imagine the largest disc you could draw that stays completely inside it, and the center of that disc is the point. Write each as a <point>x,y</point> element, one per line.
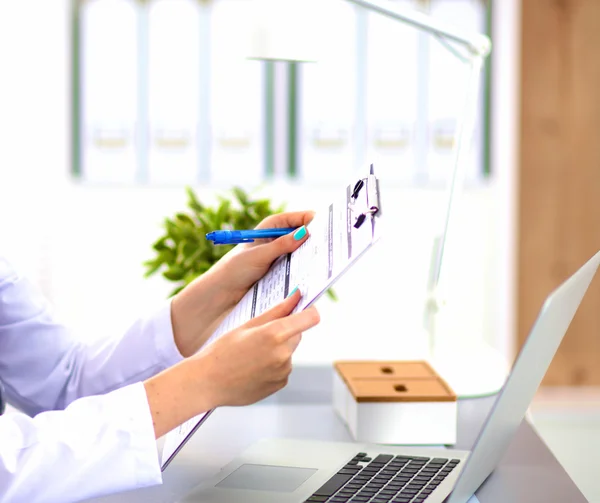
<point>559,193</point>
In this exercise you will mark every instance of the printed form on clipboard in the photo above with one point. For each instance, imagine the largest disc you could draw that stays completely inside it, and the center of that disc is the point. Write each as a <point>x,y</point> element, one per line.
<point>338,235</point>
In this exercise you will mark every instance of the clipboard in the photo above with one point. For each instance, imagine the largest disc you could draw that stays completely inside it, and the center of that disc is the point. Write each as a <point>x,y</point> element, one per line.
<point>338,236</point>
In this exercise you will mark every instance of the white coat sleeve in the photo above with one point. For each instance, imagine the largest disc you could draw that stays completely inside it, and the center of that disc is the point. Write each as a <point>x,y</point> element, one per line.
<point>98,445</point>
<point>43,367</point>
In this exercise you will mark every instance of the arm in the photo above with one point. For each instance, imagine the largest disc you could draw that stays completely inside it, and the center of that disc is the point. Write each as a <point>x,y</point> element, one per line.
<point>104,444</point>
<point>43,367</point>
<point>97,445</point>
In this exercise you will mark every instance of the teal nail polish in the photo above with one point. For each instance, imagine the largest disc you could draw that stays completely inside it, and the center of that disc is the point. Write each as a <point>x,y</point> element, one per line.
<point>292,292</point>
<point>300,233</point>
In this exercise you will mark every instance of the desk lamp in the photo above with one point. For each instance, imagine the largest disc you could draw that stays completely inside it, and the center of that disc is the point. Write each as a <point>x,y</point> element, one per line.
<point>287,30</point>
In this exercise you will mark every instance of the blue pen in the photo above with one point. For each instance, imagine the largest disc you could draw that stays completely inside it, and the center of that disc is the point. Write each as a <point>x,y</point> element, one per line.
<point>237,237</point>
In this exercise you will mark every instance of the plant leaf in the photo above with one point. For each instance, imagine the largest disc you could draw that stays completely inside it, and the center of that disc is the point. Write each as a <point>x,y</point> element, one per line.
<point>241,196</point>
<point>166,256</point>
<point>224,211</point>
<point>152,266</point>
<point>174,273</point>
<point>193,201</point>
<point>161,244</point>
<point>184,219</point>
<point>173,230</point>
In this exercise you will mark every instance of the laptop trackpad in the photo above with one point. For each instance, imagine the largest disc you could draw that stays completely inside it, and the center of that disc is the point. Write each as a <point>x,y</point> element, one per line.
<point>284,479</point>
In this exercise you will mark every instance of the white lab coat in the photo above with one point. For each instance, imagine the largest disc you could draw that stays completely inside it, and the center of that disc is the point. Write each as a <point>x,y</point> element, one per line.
<point>67,448</point>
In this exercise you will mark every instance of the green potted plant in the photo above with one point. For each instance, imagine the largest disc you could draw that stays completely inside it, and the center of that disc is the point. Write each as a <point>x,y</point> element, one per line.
<point>183,253</point>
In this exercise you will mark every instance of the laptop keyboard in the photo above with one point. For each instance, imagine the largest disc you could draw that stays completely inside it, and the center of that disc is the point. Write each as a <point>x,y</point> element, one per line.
<point>385,479</point>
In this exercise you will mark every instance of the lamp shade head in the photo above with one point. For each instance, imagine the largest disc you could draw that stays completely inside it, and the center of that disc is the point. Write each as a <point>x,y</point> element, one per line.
<point>286,30</point>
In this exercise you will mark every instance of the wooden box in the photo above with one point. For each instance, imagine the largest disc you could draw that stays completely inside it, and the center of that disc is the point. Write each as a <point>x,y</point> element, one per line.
<point>395,402</point>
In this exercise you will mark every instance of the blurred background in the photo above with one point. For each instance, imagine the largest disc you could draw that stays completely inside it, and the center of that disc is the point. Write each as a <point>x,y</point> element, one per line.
<point>110,108</point>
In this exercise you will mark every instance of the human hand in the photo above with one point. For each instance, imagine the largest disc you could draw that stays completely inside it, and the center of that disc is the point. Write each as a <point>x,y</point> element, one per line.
<point>197,310</point>
<point>254,360</point>
<point>240,368</point>
<point>245,264</point>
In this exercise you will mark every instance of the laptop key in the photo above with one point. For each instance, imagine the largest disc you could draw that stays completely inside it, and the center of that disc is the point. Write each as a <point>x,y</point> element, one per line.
<point>333,485</point>
<point>383,458</point>
<point>317,498</point>
<point>345,471</point>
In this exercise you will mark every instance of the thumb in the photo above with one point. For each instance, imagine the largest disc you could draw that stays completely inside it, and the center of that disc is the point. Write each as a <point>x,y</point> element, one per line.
<point>281,310</point>
<point>270,252</point>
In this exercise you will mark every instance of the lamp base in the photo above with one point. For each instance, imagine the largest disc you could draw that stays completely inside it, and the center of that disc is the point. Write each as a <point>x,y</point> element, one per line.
<point>471,372</point>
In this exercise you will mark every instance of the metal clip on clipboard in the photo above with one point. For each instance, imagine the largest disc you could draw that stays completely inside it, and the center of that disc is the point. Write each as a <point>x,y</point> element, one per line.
<point>373,206</point>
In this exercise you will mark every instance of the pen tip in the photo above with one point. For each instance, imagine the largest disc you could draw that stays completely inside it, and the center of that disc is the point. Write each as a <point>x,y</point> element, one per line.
<point>372,172</point>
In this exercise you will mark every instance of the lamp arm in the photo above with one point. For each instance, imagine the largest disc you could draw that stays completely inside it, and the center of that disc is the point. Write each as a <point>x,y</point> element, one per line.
<point>478,45</point>
<point>435,300</point>
<point>464,131</point>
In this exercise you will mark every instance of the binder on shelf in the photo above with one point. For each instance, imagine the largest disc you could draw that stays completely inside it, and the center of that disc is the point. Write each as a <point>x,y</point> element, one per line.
<point>327,101</point>
<point>109,127</point>
<point>173,86</point>
<point>237,98</point>
<point>446,88</point>
<point>394,96</point>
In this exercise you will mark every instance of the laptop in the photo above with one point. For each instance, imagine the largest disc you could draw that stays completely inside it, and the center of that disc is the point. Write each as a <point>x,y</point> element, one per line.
<point>295,471</point>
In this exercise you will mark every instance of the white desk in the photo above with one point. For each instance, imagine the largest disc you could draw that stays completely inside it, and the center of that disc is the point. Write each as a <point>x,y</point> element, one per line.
<point>529,473</point>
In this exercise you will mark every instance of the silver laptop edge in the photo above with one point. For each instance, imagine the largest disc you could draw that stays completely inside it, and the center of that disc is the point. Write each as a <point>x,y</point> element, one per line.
<point>525,377</point>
